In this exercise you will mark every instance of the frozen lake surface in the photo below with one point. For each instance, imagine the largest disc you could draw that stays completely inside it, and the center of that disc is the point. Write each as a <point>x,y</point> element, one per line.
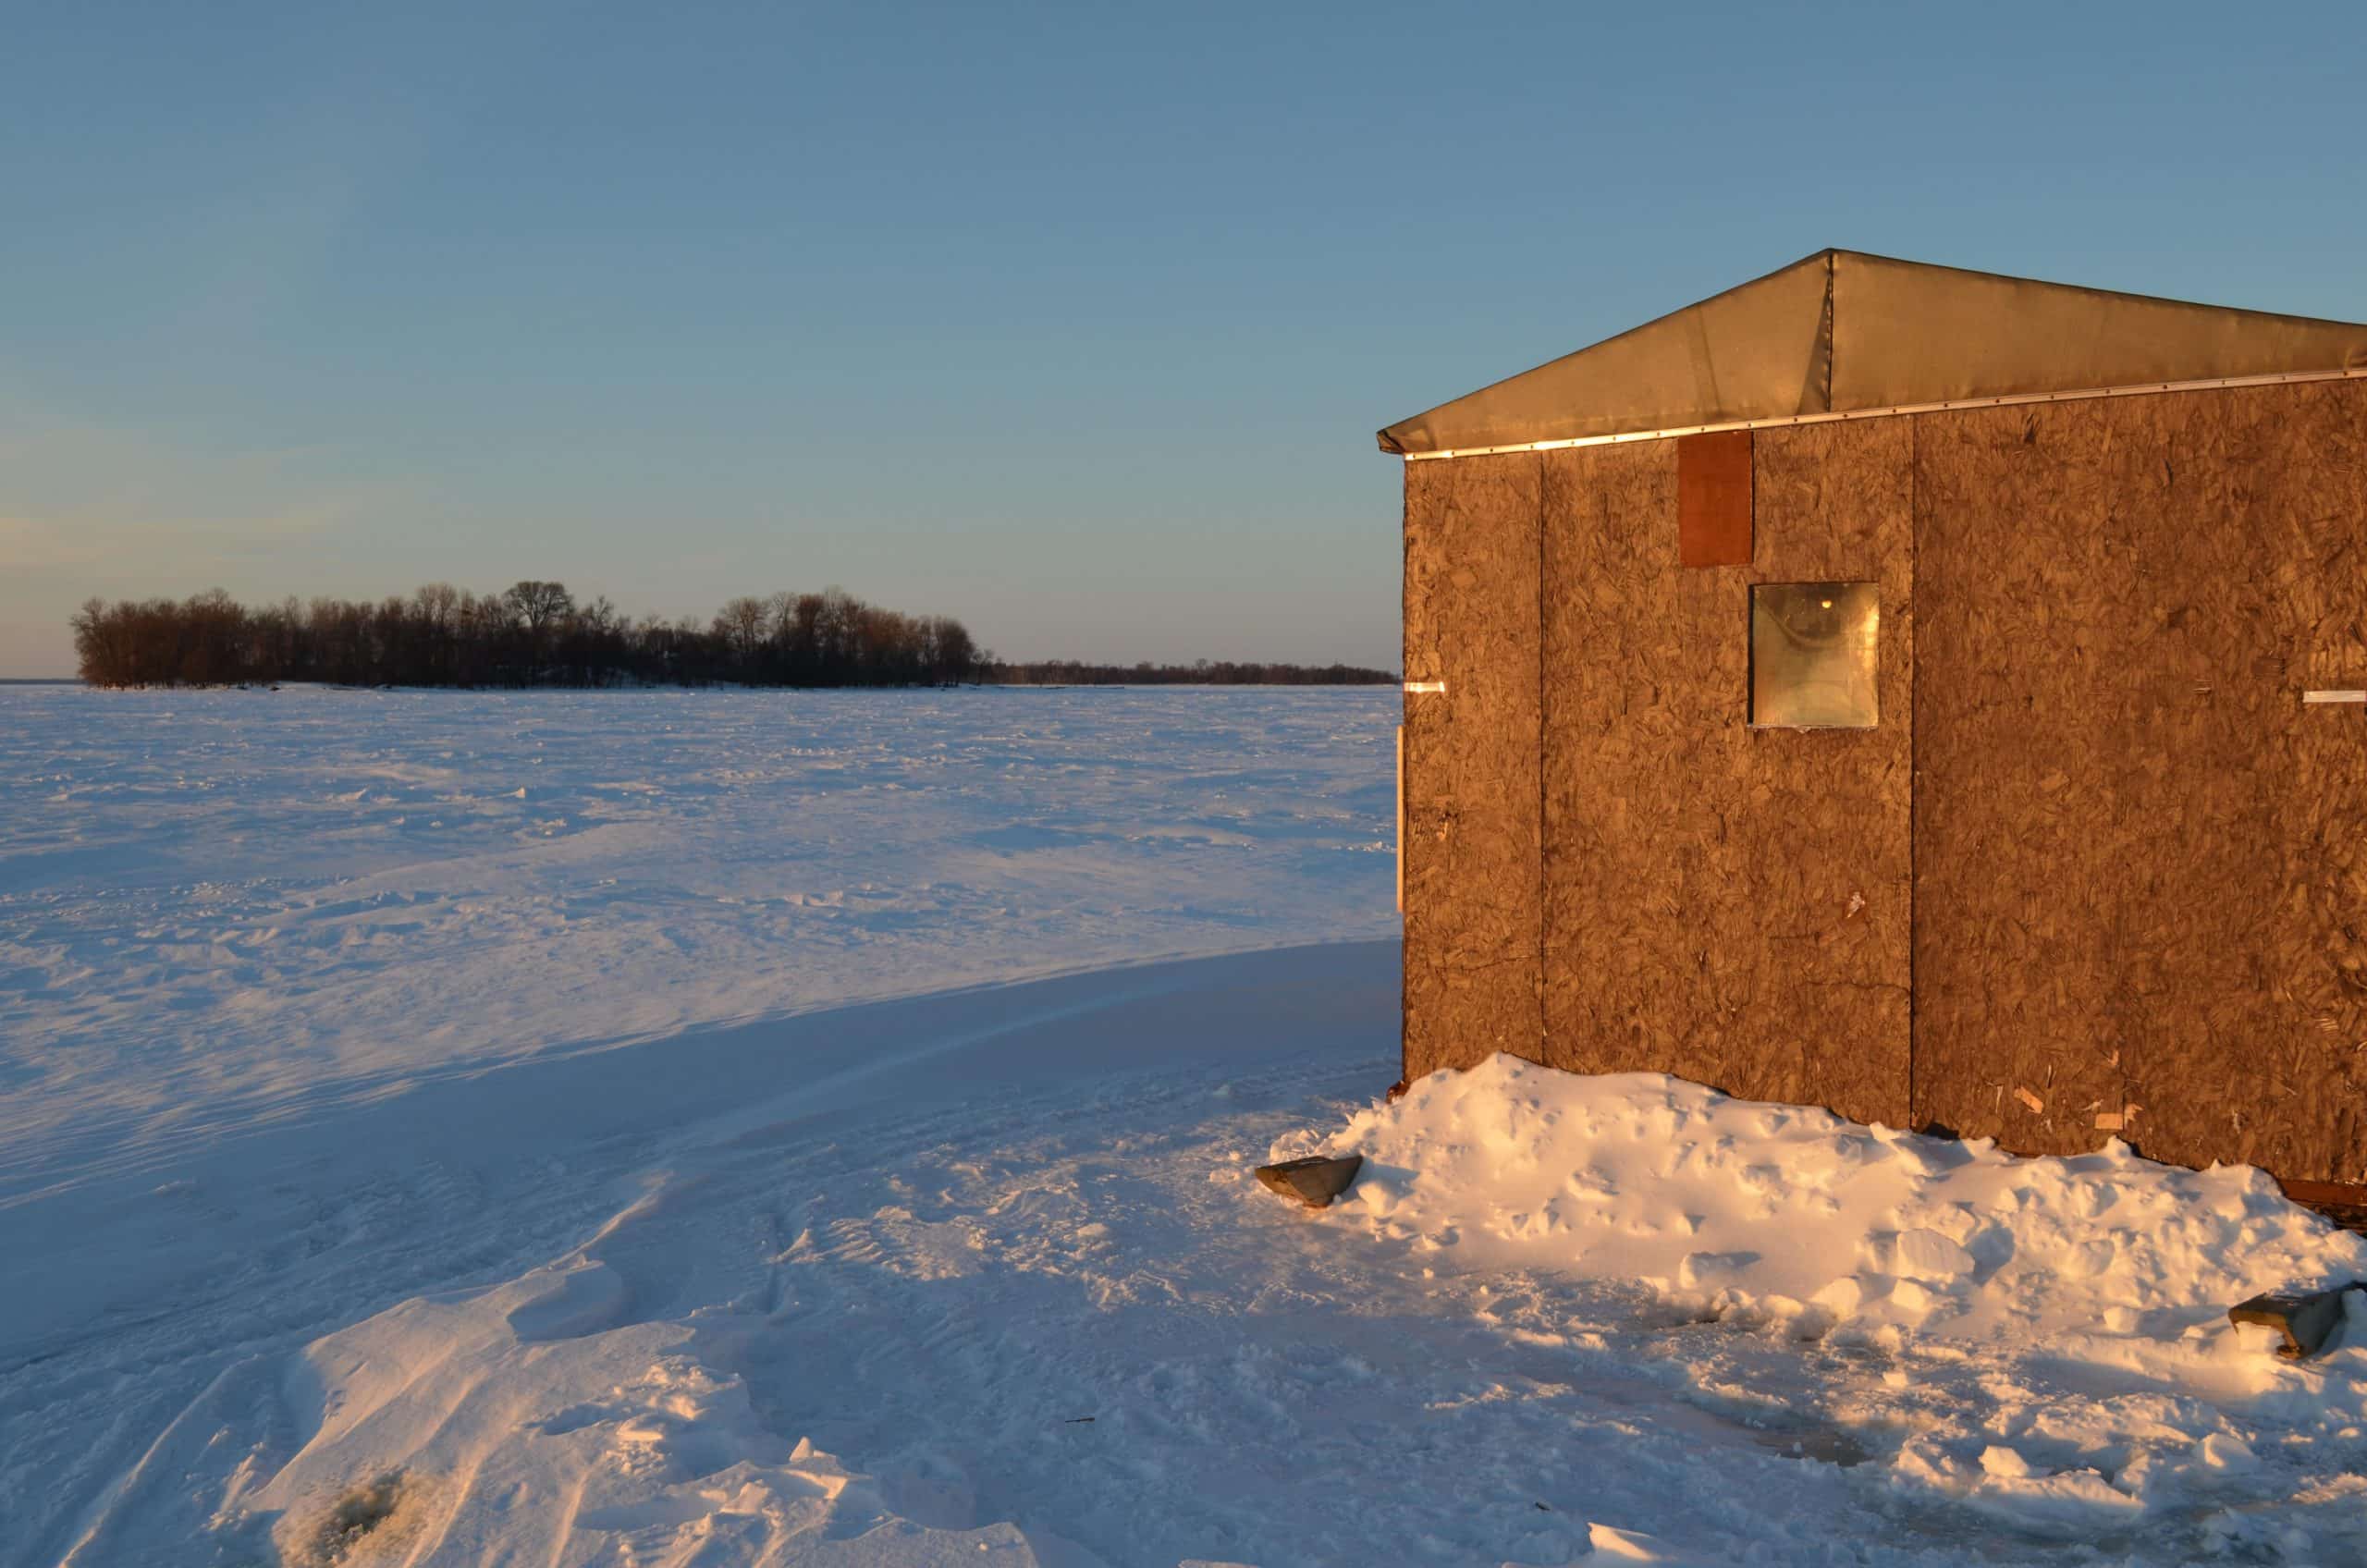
<point>220,908</point>
<point>711,1128</point>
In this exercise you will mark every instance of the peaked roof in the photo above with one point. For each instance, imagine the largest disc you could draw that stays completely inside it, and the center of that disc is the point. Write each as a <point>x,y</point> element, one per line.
<point>1842,331</point>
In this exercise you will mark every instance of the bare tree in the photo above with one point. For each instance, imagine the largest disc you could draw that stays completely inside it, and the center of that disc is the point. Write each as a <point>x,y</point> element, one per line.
<point>744,625</point>
<point>437,603</point>
<point>540,604</point>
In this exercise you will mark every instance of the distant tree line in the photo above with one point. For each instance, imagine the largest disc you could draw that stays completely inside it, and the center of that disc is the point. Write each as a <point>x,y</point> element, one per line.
<point>533,633</point>
<point>1224,672</point>
<point>536,634</point>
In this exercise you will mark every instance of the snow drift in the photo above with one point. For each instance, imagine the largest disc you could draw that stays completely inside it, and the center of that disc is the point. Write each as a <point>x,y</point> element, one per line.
<point>2104,1274</point>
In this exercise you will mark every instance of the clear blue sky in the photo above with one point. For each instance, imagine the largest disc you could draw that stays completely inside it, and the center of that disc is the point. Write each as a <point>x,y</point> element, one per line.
<point>1075,322</point>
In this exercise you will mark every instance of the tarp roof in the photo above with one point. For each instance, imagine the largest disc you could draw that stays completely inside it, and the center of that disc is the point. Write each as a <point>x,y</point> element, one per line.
<point>1842,331</point>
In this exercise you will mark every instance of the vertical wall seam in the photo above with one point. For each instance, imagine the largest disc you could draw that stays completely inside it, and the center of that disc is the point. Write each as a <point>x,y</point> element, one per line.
<point>1406,665</point>
<point>1544,1042</point>
<point>1914,733</point>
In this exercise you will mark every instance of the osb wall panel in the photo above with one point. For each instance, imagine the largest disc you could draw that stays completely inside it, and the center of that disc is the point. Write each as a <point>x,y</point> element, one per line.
<point>1472,921</point>
<point>1727,904</point>
<point>2142,861</point>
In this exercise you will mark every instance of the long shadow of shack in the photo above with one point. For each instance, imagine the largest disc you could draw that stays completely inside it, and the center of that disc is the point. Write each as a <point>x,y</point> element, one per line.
<point>1922,692</point>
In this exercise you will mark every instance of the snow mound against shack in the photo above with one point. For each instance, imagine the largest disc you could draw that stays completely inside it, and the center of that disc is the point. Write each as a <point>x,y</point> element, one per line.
<point>1790,1214</point>
<point>2046,1338</point>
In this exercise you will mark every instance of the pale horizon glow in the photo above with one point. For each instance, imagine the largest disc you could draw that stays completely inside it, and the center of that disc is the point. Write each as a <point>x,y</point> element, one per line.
<point>1074,323</point>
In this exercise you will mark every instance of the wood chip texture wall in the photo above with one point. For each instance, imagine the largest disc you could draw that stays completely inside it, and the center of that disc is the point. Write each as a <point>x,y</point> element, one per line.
<point>2097,862</point>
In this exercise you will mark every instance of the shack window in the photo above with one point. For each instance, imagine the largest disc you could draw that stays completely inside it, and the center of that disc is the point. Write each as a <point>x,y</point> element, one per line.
<point>1812,655</point>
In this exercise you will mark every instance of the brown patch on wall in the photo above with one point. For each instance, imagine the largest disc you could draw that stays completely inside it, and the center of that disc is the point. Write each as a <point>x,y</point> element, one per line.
<point>1471,855</point>
<point>1726,904</point>
<point>1714,498</point>
<point>2142,862</point>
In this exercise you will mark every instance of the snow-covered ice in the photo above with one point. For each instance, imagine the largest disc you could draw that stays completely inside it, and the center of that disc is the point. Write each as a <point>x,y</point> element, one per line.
<point>818,1129</point>
<point>218,906</point>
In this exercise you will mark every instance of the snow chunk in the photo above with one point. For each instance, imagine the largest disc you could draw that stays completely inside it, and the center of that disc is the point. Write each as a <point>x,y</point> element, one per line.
<point>1713,1269</point>
<point>1927,1254</point>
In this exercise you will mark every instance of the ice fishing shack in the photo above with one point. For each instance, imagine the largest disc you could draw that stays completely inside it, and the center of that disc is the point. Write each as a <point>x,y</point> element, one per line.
<point>1936,695</point>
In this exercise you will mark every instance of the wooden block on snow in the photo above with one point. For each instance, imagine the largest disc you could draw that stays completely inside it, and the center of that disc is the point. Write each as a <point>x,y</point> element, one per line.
<point>1314,1180</point>
<point>2307,1319</point>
